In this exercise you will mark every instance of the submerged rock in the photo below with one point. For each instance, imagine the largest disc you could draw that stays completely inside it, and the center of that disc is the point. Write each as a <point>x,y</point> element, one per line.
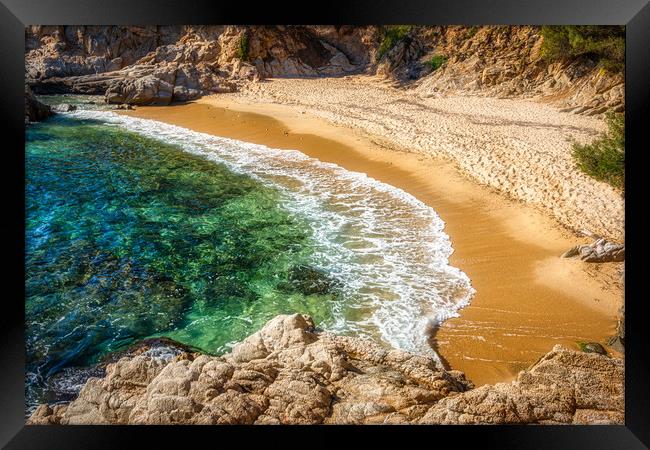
<point>309,281</point>
<point>290,373</point>
<point>65,107</point>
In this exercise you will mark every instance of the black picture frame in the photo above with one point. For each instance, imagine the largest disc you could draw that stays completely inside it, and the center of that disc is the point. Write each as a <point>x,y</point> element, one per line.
<point>16,14</point>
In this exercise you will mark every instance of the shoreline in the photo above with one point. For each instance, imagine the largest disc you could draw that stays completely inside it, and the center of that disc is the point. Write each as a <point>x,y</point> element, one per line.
<point>520,148</point>
<point>527,300</point>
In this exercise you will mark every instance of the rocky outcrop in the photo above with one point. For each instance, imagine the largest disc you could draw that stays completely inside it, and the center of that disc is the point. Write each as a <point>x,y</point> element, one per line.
<point>280,51</point>
<point>403,61</point>
<point>506,61</point>
<point>144,65</point>
<point>289,372</point>
<point>35,111</point>
<point>158,65</point>
<point>598,251</point>
<point>180,71</point>
<point>564,387</point>
<point>64,51</point>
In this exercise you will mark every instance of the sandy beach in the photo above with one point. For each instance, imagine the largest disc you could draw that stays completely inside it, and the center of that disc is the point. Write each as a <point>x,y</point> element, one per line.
<point>521,148</point>
<point>528,299</point>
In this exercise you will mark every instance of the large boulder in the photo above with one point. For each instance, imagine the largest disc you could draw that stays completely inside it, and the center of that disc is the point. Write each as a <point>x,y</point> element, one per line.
<point>289,372</point>
<point>163,83</point>
<point>148,90</point>
<point>35,111</point>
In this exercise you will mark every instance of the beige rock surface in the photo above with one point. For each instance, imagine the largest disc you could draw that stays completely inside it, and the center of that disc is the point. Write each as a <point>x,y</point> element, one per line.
<point>291,373</point>
<point>488,61</point>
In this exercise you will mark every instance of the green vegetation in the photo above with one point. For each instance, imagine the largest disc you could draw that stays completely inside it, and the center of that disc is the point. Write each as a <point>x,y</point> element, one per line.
<point>605,44</point>
<point>392,35</point>
<point>242,50</point>
<point>436,61</point>
<point>604,159</point>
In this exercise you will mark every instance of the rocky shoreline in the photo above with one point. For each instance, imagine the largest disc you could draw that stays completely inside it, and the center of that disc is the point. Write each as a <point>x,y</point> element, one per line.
<point>163,64</point>
<point>290,372</point>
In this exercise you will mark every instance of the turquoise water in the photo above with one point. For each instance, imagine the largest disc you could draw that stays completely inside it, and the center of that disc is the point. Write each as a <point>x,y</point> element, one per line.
<point>138,229</point>
<point>128,237</point>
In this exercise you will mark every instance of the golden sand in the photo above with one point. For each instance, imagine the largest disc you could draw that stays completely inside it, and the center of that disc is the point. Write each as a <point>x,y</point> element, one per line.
<point>527,298</point>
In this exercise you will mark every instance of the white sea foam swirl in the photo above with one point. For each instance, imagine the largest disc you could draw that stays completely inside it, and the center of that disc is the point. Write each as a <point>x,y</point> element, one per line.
<point>387,248</point>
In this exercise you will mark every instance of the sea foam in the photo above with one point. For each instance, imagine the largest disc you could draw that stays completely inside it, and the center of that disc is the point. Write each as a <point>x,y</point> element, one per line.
<point>387,248</point>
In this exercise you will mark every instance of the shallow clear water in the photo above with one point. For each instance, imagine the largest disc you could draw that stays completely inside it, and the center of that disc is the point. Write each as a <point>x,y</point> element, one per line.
<point>137,228</point>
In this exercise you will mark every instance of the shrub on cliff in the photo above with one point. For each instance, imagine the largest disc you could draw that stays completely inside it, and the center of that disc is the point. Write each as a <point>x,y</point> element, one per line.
<point>435,62</point>
<point>605,44</point>
<point>392,35</point>
<point>242,49</point>
<point>604,159</point>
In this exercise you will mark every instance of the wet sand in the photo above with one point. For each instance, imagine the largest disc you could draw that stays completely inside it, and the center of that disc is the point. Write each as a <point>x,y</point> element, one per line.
<point>527,300</point>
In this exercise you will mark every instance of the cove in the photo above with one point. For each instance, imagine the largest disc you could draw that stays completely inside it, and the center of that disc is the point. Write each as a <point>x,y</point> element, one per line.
<point>128,237</point>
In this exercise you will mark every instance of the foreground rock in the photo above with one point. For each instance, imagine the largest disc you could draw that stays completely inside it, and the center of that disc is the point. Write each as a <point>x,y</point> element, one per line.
<point>563,387</point>
<point>35,111</point>
<point>291,373</point>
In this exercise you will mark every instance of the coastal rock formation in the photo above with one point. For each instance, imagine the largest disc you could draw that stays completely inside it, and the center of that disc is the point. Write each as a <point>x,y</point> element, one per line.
<point>562,387</point>
<point>34,110</point>
<point>402,62</point>
<point>506,61</point>
<point>289,372</point>
<point>64,51</point>
<point>295,52</point>
<point>159,64</point>
<point>599,251</point>
<point>178,71</point>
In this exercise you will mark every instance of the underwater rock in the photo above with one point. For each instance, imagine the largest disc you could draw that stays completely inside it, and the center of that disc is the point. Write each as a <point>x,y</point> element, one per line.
<point>308,281</point>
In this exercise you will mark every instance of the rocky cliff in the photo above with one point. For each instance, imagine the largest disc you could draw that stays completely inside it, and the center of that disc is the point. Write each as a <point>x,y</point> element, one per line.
<point>504,62</point>
<point>290,372</point>
<point>159,65</point>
